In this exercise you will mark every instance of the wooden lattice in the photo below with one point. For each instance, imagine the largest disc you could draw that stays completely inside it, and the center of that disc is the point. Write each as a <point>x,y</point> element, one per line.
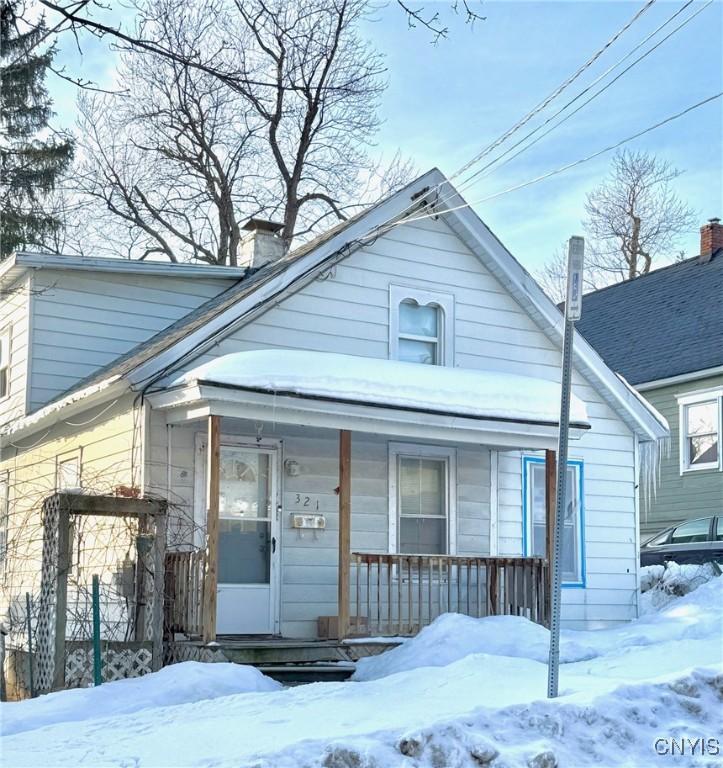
<point>119,661</point>
<point>60,662</point>
<point>45,626</point>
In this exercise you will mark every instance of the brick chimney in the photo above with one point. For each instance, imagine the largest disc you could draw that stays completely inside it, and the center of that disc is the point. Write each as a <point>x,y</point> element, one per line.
<point>711,240</point>
<point>262,244</point>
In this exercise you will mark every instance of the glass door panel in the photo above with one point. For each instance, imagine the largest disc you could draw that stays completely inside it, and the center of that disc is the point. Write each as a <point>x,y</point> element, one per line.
<point>244,539</point>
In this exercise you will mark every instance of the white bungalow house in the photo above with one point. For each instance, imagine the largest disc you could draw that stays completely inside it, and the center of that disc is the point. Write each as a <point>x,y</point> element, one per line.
<point>381,406</point>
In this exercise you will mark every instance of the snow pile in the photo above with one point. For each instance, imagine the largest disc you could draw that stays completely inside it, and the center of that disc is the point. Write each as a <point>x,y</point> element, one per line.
<point>453,636</point>
<point>177,684</point>
<point>389,382</point>
<point>654,679</point>
<point>659,584</point>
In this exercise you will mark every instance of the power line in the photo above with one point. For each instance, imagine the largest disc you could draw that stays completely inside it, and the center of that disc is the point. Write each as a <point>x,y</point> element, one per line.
<point>497,160</point>
<point>541,105</point>
<point>566,167</point>
<point>555,93</point>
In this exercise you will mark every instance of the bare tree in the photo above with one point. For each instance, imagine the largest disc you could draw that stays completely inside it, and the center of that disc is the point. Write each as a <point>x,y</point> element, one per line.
<point>181,157</point>
<point>634,220</point>
<point>634,217</point>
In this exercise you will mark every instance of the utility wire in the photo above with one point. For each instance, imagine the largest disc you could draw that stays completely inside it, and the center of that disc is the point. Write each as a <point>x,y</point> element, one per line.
<point>496,161</point>
<point>563,168</point>
<point>555,93</point>
<point>541,105</point>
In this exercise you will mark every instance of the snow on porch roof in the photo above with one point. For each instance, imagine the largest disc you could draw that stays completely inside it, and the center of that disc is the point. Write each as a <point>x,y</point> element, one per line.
<point>390,383</point>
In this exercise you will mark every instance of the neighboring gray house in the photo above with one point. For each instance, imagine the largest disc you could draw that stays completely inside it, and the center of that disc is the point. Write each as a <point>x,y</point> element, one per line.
<point>351,437</point>
<point>664,333</point>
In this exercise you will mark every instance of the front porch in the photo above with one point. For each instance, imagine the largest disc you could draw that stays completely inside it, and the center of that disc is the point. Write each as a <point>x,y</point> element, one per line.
<point>370,533</point>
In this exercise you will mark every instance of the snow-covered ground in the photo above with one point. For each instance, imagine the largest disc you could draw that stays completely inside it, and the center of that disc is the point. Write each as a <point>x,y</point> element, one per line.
<point>464,693</point>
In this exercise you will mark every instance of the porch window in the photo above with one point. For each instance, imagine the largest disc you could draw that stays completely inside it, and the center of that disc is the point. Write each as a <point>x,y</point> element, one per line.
<point>5,363</point>
<point>422,500</point>
<point>700,430</point>
<point>534,528</point>
<point>421,326</point>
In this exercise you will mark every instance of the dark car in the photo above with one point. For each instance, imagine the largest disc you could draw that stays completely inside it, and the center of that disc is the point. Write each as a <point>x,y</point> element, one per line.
<point>694,541</point>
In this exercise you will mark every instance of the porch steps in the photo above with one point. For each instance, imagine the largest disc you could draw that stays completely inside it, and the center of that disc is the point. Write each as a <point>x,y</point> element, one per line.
<point>272,653</point>
<point>300,674</point>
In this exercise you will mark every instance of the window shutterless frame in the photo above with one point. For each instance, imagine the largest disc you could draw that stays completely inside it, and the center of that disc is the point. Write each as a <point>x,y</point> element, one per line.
<point>443,302</point>
<point>413,450</point>
<point>577,465</point>
<point>5,355</point>
<point>685,403</point>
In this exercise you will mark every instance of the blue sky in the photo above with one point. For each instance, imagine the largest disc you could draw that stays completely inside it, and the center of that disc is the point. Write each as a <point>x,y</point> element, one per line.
<point>446,102</point>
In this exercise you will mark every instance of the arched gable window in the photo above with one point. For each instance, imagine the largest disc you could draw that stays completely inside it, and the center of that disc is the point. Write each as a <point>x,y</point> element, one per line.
<point>421,326</point>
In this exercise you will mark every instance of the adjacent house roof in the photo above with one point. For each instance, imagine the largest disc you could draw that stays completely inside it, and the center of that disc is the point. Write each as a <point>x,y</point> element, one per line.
<point>146,366</point>
<point>666,323</point>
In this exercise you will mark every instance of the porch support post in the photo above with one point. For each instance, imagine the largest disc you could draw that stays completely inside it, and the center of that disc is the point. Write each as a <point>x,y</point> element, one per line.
<point>344,529</point>
<point>213,477</point>
<point>550,494</point>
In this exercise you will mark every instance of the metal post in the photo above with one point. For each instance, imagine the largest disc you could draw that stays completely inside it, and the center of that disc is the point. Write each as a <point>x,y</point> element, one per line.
<point>573,306</point>
<point>30,644</point>
<point>97,668</point>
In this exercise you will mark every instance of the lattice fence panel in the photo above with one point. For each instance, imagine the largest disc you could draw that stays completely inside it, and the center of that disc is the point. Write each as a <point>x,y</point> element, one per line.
<point>119,661</point>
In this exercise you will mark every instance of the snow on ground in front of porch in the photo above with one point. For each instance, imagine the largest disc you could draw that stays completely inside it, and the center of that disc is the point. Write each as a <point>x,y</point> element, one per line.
<point>177,684</point>
<point>622,688</point>
<point>390,382</point>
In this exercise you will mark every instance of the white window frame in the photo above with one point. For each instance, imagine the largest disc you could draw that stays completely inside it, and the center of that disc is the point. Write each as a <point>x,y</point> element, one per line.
<point>578,465</point>
<point>444,302</point>
<point>4,516</point>
<point>65,458</point>
<point>698,397</point>
<point>415,450</point>
<point>6,358</point>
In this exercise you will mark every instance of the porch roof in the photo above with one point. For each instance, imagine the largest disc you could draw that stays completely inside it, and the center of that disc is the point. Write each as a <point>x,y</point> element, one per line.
<point>375,390</point>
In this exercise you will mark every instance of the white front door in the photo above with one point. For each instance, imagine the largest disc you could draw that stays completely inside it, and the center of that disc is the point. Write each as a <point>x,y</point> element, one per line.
<point>248,546</point>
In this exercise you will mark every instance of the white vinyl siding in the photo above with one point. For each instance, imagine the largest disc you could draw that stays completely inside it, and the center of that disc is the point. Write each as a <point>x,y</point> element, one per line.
<point>14,327</point>
<point>83,321</point>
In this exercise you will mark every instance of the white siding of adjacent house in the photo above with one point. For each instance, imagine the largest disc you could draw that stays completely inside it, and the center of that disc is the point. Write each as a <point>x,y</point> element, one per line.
<point>15,318</point>
<point>83,320</point>
<point>348,312</point>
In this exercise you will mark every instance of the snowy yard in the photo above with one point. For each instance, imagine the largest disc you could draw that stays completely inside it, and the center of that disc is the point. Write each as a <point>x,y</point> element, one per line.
<point>465,692</point>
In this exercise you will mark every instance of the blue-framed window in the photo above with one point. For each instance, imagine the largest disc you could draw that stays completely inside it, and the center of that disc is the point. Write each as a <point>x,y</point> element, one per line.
<point>534,522</point>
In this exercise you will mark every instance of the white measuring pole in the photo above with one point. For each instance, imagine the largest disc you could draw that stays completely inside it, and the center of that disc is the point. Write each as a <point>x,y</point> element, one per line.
<point>573,310</point>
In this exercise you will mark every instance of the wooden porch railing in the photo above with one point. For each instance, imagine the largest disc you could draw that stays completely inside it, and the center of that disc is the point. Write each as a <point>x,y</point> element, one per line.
<point>400,594</point>
<point>184,592</point>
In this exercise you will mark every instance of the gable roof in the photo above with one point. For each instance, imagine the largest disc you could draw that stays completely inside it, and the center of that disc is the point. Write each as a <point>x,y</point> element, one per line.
<point>186,339</point>
<point>666,323</point>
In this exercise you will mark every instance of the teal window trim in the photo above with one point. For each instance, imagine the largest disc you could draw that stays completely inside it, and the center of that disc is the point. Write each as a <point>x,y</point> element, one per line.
<point>578,464</point>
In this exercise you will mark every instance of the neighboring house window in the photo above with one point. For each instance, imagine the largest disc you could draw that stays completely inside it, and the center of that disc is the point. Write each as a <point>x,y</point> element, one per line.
<point>4,515</point>
<point>68,473</point>
<point>534,524</point>
<point>5,363</point>
<point>422,499</point>
<point>421,326</point>
<point>700,430</point>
